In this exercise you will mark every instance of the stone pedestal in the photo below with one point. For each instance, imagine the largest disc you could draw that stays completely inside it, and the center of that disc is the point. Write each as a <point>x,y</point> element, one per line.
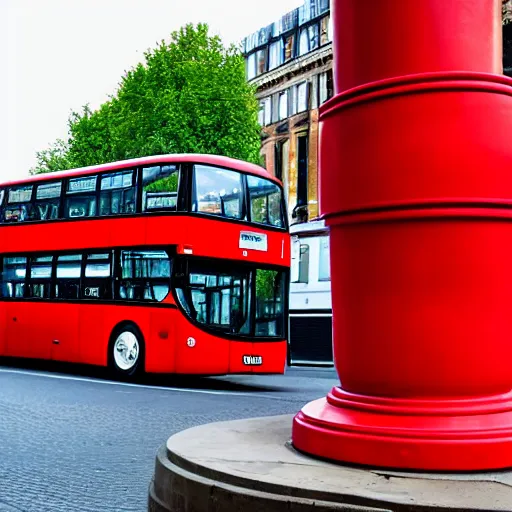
<point>250,466</point>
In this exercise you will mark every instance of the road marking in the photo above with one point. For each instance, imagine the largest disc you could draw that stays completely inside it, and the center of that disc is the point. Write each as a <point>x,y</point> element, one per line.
<point>140,386</point>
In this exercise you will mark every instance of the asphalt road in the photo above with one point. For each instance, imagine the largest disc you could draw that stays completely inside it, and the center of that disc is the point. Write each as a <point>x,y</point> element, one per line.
<point>71,439</point>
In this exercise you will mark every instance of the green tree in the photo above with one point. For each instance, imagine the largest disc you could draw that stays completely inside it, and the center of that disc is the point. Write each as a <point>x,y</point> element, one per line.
<point>190,95</point>
<point>54,158</point>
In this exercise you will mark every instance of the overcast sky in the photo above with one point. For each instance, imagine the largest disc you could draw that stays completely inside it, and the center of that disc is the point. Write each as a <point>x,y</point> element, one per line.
<point>57,55</point>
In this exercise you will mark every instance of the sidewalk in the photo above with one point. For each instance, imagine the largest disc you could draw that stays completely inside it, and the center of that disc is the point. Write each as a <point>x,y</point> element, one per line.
<point>250,465</point>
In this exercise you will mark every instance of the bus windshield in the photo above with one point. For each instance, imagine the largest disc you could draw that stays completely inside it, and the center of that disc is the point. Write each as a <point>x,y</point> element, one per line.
<point>234,299</point>
<point>221,192</point>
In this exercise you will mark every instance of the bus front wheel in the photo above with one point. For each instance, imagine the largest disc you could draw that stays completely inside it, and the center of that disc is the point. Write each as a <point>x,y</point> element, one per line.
<point>126,351</point>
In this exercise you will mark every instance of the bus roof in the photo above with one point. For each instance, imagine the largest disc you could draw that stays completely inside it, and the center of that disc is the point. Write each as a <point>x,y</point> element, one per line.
<point>222,161</point>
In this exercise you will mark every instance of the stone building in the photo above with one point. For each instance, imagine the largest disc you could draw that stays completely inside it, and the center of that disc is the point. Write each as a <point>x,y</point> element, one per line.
<point>290,63</point>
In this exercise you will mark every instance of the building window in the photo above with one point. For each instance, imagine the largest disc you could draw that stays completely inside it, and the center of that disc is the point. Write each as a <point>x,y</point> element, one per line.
<point>251,66</point>
<point>324,269</point>
<point>302,168</point>
<point>275,54</point>
<point>288,48</point>
<point>265,112</point>
<point>268,110</point>
<point>283,105</point>
<point>278,160</point>
<point>323,6</point>
<point>281,151</point>
<point>262,61</point>
<point>302,97</point>
<point>261,114</point>
<point>325,30</point>
<point>326,88</point>
<point>292,101</point>
<point>309,39</point>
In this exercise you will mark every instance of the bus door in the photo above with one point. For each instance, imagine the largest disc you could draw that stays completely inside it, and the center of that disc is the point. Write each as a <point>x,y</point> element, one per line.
<point>24,331</point>
<point>160,350</point>
<point>64,333</point>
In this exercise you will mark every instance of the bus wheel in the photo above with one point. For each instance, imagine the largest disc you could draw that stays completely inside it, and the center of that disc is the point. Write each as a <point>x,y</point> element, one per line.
<point>126,352</point>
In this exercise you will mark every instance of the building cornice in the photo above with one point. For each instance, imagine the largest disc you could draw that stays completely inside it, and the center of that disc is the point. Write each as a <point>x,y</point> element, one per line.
<point>293,67</point>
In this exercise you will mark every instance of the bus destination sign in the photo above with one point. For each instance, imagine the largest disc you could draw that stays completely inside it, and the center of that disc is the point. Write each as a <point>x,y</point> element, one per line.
<point>254,241</point>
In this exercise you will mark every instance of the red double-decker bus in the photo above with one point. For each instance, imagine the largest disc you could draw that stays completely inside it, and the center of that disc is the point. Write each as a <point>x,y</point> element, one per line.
<point>166,264</point>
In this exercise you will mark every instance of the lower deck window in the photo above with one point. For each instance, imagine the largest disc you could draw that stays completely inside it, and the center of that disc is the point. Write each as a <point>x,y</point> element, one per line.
<point>145,275</point>
<point>270,289</point>
<point>240,301</point>
<point>119,274</point>
<point>14,270</point>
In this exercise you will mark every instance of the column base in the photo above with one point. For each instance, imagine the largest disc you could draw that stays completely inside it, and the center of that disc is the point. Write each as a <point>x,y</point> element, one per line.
<point>473,434</point>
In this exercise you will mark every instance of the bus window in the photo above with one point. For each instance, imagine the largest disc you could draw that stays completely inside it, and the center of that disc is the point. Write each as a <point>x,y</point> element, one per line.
<point>217,298</point>
<point>97,283</point>
<point>39,284</point>
<point>145,275</point>
<point>266,205</point>
<point>302,276</point>
<point>69,268</point>
<point>218,192</point>
<point>81,197</point>
<point>117,193</point>
<point>19,206</point>
<point>324,269</point>
<point>270,290</point>
<point>160,188</point>
<point>47,202</point>
<point>14,270</point>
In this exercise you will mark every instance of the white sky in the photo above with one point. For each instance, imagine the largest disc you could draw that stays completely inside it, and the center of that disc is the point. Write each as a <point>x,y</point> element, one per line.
<point>57,55</point>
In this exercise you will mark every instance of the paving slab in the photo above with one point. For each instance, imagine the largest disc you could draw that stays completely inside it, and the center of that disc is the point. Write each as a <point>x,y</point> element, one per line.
<point>251,465</point>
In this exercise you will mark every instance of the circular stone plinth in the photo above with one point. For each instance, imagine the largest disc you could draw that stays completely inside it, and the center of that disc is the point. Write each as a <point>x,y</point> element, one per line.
<point>250,465</point>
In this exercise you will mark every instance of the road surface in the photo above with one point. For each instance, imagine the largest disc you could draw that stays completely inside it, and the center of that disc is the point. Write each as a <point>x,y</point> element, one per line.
<point>71,439</point>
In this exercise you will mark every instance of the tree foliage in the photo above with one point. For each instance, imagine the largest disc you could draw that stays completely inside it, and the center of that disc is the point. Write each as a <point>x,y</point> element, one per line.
<point>190,95</point>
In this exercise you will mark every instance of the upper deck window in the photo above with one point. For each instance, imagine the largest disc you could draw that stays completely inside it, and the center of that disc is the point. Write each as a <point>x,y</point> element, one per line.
<point>218,192</point>
<point>160,188</point>
<point>266,203</point>
<point>117,193</point>
<point>18,208</point>
<point>47,201</point>
<point>81,197</point>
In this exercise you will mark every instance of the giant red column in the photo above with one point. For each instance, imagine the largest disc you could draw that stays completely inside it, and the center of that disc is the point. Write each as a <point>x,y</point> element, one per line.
<point>416,186</point>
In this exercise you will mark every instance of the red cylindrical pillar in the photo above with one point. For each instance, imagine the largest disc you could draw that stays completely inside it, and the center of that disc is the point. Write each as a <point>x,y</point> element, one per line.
<point>416,188</point>
<point>394,38</point>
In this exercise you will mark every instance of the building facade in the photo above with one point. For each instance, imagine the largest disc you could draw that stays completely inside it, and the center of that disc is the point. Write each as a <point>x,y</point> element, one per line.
<point>290,63</point>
